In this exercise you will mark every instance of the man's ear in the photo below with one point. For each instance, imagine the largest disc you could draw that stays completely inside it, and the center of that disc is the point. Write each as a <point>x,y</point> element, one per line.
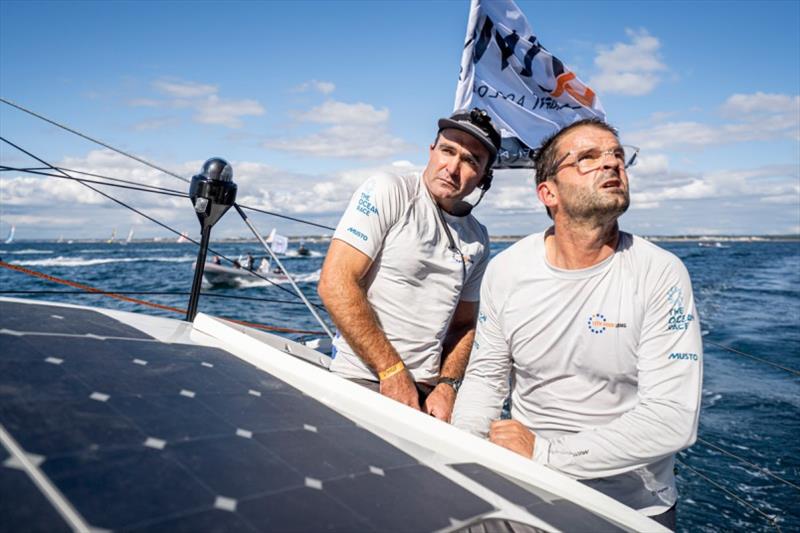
<point>547,191</point>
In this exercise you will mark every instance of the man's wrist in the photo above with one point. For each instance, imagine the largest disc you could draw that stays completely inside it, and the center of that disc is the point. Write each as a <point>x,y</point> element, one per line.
<point>388,372</point>
<point>455,383</point>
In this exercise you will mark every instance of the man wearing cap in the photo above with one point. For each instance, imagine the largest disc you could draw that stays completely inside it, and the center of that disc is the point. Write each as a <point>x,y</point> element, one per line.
<point>402,275</point>
<point>598,331</point>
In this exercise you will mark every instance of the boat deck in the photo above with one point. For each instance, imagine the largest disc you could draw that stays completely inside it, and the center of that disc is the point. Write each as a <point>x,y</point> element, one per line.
<point>107,425</point>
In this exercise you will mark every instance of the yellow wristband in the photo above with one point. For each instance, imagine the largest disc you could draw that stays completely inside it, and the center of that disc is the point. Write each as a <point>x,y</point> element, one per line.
<point>392,370</point>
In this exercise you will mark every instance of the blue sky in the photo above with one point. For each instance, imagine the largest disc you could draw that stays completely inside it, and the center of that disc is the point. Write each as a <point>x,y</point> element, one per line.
<point>308,99</point>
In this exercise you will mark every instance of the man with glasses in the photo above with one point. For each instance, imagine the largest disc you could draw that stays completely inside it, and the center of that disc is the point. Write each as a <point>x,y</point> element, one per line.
<point>402,275</point>
<point>596,329</point>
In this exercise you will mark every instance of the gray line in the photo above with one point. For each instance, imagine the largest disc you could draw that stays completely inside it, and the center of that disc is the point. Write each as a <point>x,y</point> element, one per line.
<point>61,504</point>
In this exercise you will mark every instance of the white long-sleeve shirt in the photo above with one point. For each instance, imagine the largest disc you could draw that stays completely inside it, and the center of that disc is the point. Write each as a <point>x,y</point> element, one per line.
<point>605,365</point>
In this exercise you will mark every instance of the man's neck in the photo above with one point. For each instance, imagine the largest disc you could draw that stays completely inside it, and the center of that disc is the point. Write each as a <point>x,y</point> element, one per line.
<point>573,245</point>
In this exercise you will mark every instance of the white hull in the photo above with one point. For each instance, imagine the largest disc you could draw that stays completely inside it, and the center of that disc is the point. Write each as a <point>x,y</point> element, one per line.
<point>224,275</point>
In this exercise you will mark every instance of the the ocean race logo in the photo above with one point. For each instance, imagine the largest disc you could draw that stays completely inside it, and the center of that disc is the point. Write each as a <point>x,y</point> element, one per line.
<point>678,319</point>
<point>599,324</point>
<point>365,205</point>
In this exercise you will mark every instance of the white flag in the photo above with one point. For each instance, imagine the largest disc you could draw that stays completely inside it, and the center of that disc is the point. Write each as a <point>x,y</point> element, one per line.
<point>279,243</point>
<point>528,92</point>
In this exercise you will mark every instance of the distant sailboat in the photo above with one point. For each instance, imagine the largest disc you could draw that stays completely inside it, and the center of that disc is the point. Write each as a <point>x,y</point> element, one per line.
<point>183,238</point>
<point>113,236</point>
<point>60,239</point>
<point>10,238</point>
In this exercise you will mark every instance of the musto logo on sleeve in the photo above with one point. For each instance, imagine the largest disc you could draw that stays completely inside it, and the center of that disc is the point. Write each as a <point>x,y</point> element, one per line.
<point>678,320</point>
<point>598,324</point>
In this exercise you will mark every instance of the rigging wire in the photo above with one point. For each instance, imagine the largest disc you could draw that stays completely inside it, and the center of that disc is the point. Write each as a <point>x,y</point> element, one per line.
<point>102,292</point>
<point>145,162</point>
<point>745,461</point>
<point>759,359</point>
<point>117,296</point>
<point>770,518</point>
<point>101,143</point>
<point>143,188</point>
<point>177,193</point>
<point>151,188</point>
<point>145,215</point>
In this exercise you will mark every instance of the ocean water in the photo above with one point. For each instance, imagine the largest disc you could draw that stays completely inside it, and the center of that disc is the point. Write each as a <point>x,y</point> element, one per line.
<point>748,296</point>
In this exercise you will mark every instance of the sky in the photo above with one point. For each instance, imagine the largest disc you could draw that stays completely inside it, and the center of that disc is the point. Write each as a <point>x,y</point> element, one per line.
<point>307,100</point>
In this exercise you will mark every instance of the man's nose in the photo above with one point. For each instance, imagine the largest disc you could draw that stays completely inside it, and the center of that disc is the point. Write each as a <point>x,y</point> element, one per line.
<point>452,166</point>
<point>610,160</point>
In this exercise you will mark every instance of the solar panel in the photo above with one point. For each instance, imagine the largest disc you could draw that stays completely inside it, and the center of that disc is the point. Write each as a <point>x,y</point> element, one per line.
<point>139,434</point>
<point>563,514</point>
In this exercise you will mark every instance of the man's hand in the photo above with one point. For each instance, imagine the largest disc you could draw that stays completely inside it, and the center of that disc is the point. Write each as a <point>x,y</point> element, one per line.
<point>440,402</point>
<point>514,436</point>
<point>400,387</point>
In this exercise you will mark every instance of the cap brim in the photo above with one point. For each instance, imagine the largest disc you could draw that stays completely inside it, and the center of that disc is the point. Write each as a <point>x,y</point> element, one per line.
<point>446,123</point>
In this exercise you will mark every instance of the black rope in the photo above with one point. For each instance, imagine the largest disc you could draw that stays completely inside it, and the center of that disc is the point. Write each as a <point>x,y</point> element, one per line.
<point>149,188</point>
<point>287,217</point>
<point>145,188</point>
<point>40,171</point>
<point>748,463</point>
<point>770,518</point>
<point>165,293</point>
<point>759,359</point>
<point>145,215</point>
<point>101,143</point>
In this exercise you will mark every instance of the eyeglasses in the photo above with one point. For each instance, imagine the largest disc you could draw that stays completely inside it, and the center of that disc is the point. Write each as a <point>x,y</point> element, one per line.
<point>592,159</point>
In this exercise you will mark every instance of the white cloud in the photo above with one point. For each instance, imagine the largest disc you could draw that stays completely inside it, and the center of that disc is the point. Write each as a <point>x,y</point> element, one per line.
<point>214,110</point>
<point>185,89</point>
<point>760,103</point>
<point>203,99</point>
<point>333,112</point>
<point>354,130</point>
<point>756,117</point>
<point>631,69</point>
<point>768,184</point>
<point>324,87</point>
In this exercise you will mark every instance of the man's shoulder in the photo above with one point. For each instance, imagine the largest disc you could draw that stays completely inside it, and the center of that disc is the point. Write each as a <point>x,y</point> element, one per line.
<point>649,256</point>
<point>506,262</point>
<point>403,185</point>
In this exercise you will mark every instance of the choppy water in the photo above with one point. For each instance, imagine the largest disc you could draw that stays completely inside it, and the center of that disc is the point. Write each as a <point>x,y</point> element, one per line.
<point>748,297</point>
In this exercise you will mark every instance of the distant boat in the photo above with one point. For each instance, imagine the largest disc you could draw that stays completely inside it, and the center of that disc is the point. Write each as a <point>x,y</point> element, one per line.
<point>129,238</point>
<point>183,238</point>
<point>303,251</point>
<point>10,238</point>
<point>113,236</point>
<point>60,239</point>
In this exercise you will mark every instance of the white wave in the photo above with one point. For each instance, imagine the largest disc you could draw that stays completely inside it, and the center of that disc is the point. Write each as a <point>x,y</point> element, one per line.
<point>82,261</point>
<point>26,252</point>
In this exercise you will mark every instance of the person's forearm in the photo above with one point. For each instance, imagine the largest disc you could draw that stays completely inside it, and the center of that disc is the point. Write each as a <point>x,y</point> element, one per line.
<point>456,350</point>
<point>357,323</point>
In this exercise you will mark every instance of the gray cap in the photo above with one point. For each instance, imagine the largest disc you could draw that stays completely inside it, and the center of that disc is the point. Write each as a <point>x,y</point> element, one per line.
<point>477,123</point>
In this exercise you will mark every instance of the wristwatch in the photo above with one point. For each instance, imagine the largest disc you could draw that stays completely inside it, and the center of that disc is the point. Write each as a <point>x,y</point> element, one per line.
<point>453,382</point>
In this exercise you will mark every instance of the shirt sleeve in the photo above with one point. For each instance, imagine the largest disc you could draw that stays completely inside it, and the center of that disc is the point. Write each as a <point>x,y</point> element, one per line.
<point>373,210</point>
<point>485,385</point>
<point>670,373</point>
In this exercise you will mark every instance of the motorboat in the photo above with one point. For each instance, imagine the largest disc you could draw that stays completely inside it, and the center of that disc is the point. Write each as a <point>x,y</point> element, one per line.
<point>218,274</point>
